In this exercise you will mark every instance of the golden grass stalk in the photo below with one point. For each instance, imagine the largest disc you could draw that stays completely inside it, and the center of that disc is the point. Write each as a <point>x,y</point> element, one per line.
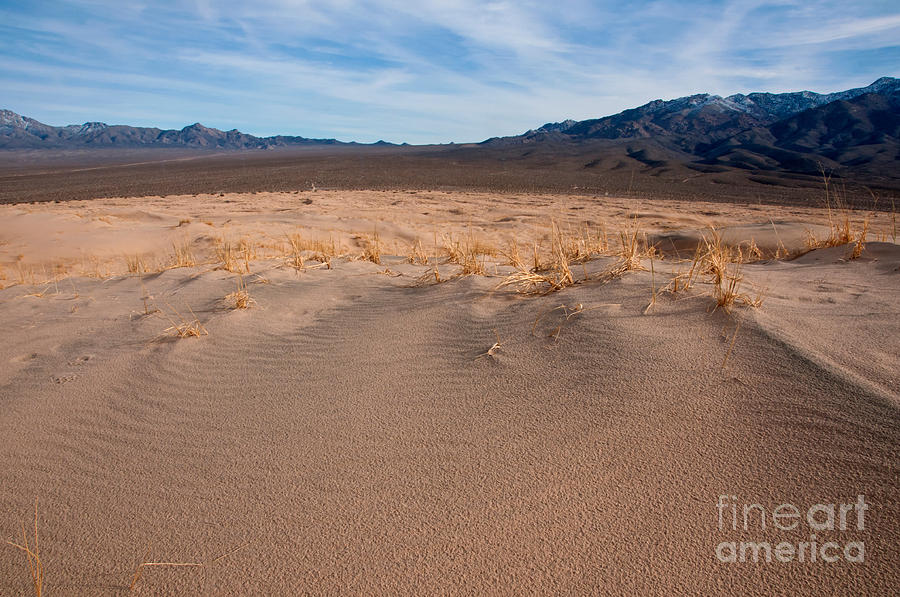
<point>372,248</point>
<point>184,256</point>
<point>32,555</point>
<point>470,252</point>
<point>727,292</point>
<point>135,264</point>
<point>182,327</point>
<point>416,254</point>
<point>555,276</point>
<point>145,563</point>
<point>512,255</point>
<point>240,298</point>
<point>295,255</point>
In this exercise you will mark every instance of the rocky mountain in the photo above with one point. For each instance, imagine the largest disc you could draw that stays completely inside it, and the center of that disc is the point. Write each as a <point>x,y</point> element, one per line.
<point>863,131</point>
<point>21,132</point>
<point>849,131</point>
<point>703,118</point>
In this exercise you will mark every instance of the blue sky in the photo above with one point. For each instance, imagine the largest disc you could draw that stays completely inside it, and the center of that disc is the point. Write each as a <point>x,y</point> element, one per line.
<point>419,70</point>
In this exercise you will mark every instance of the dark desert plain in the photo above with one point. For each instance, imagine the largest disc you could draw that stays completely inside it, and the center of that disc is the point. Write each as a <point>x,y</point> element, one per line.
<point>400,370</point>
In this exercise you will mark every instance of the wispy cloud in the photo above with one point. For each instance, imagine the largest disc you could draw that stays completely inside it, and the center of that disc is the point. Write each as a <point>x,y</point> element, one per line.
<point>424,71</point>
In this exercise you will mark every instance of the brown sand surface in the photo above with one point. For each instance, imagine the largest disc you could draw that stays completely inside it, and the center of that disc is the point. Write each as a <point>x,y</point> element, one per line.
<point>348,434</point>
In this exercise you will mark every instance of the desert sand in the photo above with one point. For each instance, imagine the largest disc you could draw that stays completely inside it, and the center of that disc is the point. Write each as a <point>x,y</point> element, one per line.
<point>400,428</point>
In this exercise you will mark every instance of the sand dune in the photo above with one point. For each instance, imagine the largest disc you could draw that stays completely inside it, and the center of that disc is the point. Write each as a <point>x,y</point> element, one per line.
<point>348,434</point>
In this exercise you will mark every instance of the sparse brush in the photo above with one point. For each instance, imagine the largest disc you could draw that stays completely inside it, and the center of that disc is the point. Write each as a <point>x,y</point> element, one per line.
<point>184,256</point>
<point>860,241</point>
<point>240,298</point>
<point>840,222</point>
<point>469,252</point>
<point>372,248</point>
<point>181,327</point>
<point>135,264</point>
<point>583,244</point>
<point>295,255</point>
<point>512,256</point>
<point>234,257</point>
<point>32,555</point>
<point>247,252</point>
<point>727,292</point>
<point>555,276</point>
<point>717,256</point>
<point>633,246</point>
<point>416,253</point>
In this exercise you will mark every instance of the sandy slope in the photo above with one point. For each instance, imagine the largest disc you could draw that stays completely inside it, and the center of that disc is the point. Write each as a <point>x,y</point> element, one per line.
<point>345,436</point>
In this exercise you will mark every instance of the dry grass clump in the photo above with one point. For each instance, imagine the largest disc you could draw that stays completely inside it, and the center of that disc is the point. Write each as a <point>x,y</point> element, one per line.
<point>183,255</point>
<point>372,248</point>
<point>470,252</point>
<point>235,257</point>
<point>584,244</point>
<point>633,248</point>
<point>182,327</point>
<point>554,276</point>
<point>135,264</point>
<point>240,298</point>
<point>727,293</point>
<point>301,248</point>
<point>724,266</point>
<point>295,253</point>
<point>416,254</point>
<point>32,552</point>
<point>842,228</point>
<point>512,255</point>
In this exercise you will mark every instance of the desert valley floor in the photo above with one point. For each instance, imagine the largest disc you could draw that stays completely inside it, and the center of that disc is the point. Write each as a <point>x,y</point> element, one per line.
<point>396,412</point>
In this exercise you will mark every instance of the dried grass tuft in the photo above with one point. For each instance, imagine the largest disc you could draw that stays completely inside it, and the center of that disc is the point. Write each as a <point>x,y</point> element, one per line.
<point>372,248</point>
<point>182,327</point>
<point>416,254</point>
<point>240,298</point>
<point>184,256</point>
<point>555,276</point>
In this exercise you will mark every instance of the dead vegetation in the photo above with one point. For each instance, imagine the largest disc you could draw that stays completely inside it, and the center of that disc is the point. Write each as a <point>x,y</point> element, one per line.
<point>844,226</point>
<point>240,298</point>
<point>182,327</point>
<point>183,254</point>
<point>234,257</point>
<point>32,551</point>
<point>470,252</point>
<point>372,248</point>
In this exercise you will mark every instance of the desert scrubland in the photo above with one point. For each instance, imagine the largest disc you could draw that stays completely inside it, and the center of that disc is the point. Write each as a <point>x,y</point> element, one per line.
<point>416,392</point>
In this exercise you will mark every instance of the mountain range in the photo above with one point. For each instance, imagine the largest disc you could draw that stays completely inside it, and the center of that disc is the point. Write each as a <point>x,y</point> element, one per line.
<point>21,132</point>
<point>795,132</point>
<point>768,136</point>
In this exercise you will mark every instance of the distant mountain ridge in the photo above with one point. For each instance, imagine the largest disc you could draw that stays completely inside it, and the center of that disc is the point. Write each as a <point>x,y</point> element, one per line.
<point>764,137</point>
<point>854,132</point>
<point>21,132</point>
<point>707,114</point>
